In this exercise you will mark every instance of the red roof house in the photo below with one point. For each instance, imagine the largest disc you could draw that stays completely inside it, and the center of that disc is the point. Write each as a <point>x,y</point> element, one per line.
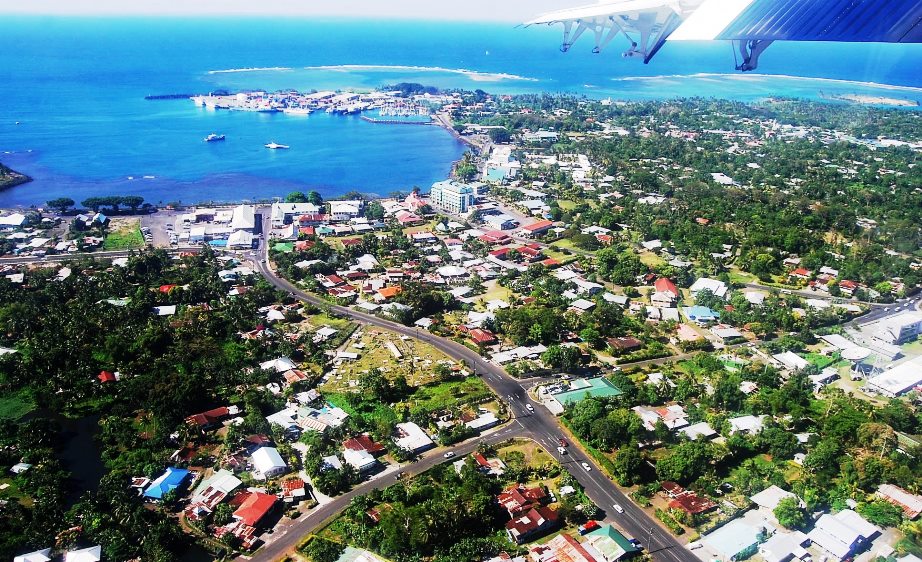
<point>663,285</point>
<point>364,443</point>
<point>482,337</point>
<point>254,508</point>
<point>106,376</point>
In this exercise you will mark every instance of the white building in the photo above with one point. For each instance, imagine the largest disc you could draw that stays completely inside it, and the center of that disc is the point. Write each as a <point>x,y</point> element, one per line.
<point>719,288</point>
<point>843,534</point>
<point>411,437</point>
<point>897,380</point>
<point>899,328</point>
<point>285,213</point>
<point>244,218</point>
<point>454,197</point>
<point>362,461</point>
<point>344,211</point>
<point>267,463</point>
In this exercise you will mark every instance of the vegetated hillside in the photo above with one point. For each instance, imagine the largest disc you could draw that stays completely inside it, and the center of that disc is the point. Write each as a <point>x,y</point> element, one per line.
<point>9,178</point>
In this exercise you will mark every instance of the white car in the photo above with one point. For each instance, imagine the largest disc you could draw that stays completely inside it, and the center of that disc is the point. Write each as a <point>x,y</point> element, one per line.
<point>529,407</point>
<point>586,466</point>
<point>449,454</point>
<point>618,508</point>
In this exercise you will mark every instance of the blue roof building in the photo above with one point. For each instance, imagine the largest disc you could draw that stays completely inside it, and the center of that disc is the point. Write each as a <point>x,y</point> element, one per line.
<point>700,314</point>
<point>172,479</point>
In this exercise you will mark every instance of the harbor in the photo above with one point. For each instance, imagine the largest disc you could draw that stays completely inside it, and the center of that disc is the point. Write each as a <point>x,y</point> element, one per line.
<point>387,104</point>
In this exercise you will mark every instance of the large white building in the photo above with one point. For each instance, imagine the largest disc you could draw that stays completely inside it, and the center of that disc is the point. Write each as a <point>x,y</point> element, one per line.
<point>452,196</point>
<point>899,328</point>
<point>244,218</point>
<point>897,380</point>
<point>411,437</point>
<point>267,463</point>
<point>285,213</point>
<point>344,211</point>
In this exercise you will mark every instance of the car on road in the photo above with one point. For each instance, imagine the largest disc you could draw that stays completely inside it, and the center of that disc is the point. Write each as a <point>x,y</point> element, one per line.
<point>618,508</point>
<point>398,476</point>
<point>561,450</point>
<point>586,466</point>
<point>563,442</point>
<point>449,454</point>
<point>529,407</point>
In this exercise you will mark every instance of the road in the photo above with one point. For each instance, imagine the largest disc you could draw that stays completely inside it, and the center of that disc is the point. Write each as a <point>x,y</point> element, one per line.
<point>537,424</point>
<point>290,532</point>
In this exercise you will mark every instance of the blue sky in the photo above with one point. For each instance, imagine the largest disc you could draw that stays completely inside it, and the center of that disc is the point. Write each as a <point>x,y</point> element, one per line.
<point>475,10</point>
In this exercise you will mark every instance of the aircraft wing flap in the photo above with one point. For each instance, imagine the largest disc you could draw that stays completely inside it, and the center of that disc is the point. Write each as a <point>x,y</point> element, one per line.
<point>889,21</point>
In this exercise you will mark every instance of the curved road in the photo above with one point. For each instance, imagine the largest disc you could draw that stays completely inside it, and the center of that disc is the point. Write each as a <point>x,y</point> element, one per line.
<point>538,424</point>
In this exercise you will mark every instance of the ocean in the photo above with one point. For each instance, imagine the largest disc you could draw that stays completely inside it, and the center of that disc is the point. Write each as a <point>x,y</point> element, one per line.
<point>74,117</point>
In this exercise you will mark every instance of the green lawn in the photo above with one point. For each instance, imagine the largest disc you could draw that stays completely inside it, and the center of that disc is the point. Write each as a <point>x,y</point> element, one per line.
<point>447,394</point>
<point>566,204</point>
<point>820,361</point>
<point>15,406</point>
<point>124,235</point>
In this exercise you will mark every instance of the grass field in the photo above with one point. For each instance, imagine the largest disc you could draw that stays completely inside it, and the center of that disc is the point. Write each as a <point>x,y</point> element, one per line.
<point>15,406</point>
<point>494,292</point>
<point>447,394</point>
<point>566,204</point>
<point>124,234</point>
<point>650,259</point>
<point>417,361</point>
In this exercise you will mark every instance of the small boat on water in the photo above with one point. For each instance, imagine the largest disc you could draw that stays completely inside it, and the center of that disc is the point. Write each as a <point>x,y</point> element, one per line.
<point>214,138</point>
<point>277,146</point>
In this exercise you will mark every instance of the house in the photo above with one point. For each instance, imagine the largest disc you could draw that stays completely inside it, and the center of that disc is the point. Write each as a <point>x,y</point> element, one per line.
<point>769,498</point>
<point>911,504</point>
<point>698,430</point>
<point>611,544</point>
<point>726,333</point>
<point>410,437</point>
<point>700,315</point>
<point>791,360</point>
<point>254,508</point>
<point>517,498</point>
<point>531,524</point>
<point>673,416</point>
<point>737,540</point>
<point>581,306</point>
<point>482,337</point>
<point>623,344</point>
<point>564,548</point>
<point>211,492</point>
<point>539,228</point>
<point>718,288</point>
<point>361,460</point>
<point>364,443</point>
<point>211,419</point>
<point>747,424</point>
<point>267,463</point>
<point>172,479</point>
<point>842,535</point>
<point>665,293</point>
<point>783,547</point>
<point>386,293</point>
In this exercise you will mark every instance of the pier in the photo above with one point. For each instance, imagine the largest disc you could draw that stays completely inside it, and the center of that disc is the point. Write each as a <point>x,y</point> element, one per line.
<point>170,96</point>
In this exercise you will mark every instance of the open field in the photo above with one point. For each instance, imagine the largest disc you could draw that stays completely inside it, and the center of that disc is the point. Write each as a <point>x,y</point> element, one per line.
<point>124,234</point>
<point>417,360</point>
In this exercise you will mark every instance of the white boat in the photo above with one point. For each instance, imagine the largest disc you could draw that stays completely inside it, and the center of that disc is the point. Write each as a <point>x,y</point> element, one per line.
<point>277,146</point>
<point>297,111</point>
<point>214,137</point>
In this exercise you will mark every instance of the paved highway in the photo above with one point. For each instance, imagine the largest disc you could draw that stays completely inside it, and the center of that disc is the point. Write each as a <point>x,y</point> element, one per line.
<point>538,424</point>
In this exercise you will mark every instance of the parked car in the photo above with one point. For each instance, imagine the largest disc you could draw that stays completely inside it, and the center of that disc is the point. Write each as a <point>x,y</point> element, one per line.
<point>449,454</point>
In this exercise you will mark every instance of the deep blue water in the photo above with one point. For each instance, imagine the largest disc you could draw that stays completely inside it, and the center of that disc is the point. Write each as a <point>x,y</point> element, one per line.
<point>77,87</point>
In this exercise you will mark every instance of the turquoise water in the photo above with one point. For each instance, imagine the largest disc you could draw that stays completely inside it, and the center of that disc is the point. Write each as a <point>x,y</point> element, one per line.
<point>77,85</point>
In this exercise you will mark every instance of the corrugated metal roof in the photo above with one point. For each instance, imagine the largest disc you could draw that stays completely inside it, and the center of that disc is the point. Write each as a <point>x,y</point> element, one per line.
<point>890,21</point>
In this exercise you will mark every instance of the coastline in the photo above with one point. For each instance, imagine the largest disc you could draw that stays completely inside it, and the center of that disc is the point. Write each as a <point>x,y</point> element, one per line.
<point>11,178</point>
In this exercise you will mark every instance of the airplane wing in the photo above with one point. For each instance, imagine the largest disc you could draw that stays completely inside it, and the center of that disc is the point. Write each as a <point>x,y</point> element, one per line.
<point>645,24</point>
<point>751,24</point>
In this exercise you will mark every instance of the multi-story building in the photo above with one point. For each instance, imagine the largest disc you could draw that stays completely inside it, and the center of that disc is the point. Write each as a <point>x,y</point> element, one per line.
<point>452,196</point>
